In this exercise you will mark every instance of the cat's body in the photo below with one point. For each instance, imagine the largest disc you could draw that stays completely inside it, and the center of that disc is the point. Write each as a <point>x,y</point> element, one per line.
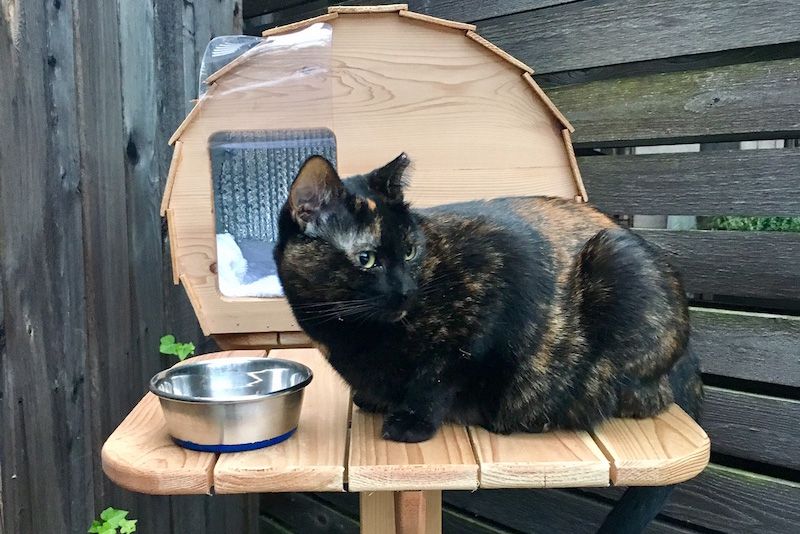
<point>518,314</point>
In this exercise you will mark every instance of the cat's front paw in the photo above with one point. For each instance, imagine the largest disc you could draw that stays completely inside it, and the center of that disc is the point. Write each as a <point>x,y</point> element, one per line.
<point>407,427</point>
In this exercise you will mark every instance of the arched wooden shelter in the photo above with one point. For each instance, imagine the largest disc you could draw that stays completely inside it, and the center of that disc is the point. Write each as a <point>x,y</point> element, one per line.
<point>382,80</point>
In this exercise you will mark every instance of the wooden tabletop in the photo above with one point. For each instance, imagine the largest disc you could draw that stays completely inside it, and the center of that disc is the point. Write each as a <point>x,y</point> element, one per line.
<point>337,447</point>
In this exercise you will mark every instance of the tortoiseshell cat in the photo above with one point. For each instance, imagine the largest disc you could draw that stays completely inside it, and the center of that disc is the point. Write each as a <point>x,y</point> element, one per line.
<point>516,314</point>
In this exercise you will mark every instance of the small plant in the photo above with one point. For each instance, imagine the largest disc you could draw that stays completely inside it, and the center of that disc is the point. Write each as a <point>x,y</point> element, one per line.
<point>113,521</point>
<point>172,347</point>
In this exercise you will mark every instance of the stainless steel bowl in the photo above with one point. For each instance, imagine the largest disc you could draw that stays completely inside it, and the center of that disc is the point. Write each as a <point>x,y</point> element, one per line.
<point>231,404</point>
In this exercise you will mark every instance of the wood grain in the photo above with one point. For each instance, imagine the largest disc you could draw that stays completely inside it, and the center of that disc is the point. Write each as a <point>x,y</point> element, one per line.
<point>264,340</point>
<point>549,103</point>
<point>435,20</point>
<point>384,8</point>
<point>659,451</point>
<point>549,460</point>
<point>294,338</point>
<point>375,464</point>
<point>579,35</point>
<point>498,51</point>
<point>748,346</point>
<point>140,456</point>
<point>312,459</point>
<point>369,94</point>
<point>573,164</point>
<point>553,510</point>
<point>298,25</point>
<point>751,426</point>
<point>725,499</point>
<point>735,182</point>
<point>711,262</point>
<point>376,510</point>
<point>752,100</point>
<point>173,169</point>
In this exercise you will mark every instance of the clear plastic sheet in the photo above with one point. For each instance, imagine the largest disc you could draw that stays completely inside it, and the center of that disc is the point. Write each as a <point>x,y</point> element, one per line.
<point>274,80</point>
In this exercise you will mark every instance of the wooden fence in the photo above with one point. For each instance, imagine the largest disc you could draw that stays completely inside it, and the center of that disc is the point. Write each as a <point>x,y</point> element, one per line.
<point>90,90</point>
<point>629,73</point>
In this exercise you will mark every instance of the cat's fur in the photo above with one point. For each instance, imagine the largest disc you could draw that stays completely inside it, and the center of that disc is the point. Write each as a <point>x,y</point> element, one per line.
<point>516,314</point>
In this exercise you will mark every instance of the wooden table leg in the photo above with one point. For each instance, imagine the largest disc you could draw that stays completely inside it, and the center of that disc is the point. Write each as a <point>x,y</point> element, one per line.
<point>401,512</point>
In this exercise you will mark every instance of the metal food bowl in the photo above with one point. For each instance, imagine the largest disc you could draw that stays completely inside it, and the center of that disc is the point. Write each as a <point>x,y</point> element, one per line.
<point>231,404</point>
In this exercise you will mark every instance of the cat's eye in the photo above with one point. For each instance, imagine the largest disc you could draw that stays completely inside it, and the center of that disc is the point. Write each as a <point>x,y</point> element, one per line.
<point>367,259</point>
<point>411,252</point>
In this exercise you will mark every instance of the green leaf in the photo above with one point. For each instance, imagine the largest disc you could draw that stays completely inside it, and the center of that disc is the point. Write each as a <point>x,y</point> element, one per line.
<point>128,526</point>
<point>182,350</point>
<point>95,528</point>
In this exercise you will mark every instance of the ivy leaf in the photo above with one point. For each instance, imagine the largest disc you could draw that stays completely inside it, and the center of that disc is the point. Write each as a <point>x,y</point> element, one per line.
<point>95,528</point>
<point>128,526</point>
<point>183,350</point>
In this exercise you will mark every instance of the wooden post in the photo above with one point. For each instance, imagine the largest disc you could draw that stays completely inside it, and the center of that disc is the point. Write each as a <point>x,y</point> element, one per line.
<point>401,512</point>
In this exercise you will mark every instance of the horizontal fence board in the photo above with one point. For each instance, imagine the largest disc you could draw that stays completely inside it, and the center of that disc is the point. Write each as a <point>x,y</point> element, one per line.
<point>746,264</point>
<point>464,10</point>
<point>300,512</point>
<point>753,100</point>
<point>731,500</point>
<point>545,510</point>
<point>729,182</point>
<point>453,522</point>
<point>754,427</point>
<point>580,35</point>
<point>748,346</point>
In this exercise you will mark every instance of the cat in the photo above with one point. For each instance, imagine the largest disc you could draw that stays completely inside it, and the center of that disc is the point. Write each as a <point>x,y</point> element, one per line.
<point>517,314</point>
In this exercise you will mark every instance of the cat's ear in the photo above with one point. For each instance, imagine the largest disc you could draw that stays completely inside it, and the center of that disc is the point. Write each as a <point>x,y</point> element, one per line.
<point>390,179</point>
<point>316,187</point>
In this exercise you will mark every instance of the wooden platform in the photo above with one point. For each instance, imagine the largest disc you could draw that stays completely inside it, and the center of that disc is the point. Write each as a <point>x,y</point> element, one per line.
<point>338,448</point>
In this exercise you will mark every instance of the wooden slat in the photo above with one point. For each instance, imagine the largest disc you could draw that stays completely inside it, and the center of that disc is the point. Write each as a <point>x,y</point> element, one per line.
<point>549,103</point>
<point>754,427</point>
<point>244,341</point>
<point>751,100</point>
<point>140,455</point>
<point>748,346</point>
<point>466,10</point>
<point>313,459</point>
<point>723,499</point>
<point>543,511</point>
<point>375,464</point>
<point>173,169</point>
<point>296,26</point>
<point>747,264</point>
<point>382,8</point>
<point>623,31</point>
<point>549,460</point>
<point>293,338</point>
<point>734,182</point>
<point>659,451</point>
<point>435,20</point>
<point>498,51</point>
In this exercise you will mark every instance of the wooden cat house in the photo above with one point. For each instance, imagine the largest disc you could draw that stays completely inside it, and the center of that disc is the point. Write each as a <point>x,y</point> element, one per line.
<point>359,85</point>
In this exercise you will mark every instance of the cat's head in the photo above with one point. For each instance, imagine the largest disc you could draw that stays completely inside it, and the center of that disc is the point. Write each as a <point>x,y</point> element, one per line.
<point>349,249</point>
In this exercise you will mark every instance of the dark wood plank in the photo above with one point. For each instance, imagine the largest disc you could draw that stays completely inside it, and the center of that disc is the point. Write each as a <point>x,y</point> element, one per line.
<point>753,100</point>
<point>303,513</point>
<point>728,182</point>
<point>754,427</point>
<point>748,346</point>
<point>578,35</point>
<point>465,10</point>
<point>747,264</point>
<point>43,399</point>
<point>546,510</point>
<point>730,500</point>
<point>453,520</point>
